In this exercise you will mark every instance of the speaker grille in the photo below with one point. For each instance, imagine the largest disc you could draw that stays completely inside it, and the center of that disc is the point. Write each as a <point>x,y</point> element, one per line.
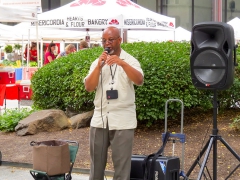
<point>209,67</point>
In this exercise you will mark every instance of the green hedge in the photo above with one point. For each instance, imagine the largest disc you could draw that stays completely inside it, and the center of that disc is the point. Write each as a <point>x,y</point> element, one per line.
<point>166,69</point>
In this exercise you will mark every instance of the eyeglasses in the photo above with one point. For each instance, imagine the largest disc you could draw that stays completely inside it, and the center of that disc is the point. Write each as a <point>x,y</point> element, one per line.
<point>110,41</point>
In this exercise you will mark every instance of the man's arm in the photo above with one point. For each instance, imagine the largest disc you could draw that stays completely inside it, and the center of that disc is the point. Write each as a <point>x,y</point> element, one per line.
<point>133,74</point>
<point>91,81</point>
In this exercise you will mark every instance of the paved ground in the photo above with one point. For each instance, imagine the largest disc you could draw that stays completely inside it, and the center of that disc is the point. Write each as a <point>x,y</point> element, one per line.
<point>12,104</point>
<point>17,173</point>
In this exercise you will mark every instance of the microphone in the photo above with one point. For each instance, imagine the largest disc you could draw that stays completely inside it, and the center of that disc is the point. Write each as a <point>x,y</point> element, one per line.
<point>107,50</point>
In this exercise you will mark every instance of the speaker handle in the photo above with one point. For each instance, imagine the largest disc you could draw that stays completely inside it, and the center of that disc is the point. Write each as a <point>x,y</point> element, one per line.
<point>235,55</point>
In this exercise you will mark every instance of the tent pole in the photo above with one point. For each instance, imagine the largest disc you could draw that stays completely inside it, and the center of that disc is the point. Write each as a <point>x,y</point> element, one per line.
<point>38,62</point>
<point>42,52</point>
<point>122,27</point>
<point>28,53</point>
<point>28,47</point>
<point>23,50</point>
<point>174,35</point>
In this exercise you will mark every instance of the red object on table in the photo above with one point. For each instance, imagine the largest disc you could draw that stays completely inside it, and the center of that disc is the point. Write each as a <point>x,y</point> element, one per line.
<point>2,93</point>
<point>12,91</point>
<point>7,75</point>
<point>25,90</point>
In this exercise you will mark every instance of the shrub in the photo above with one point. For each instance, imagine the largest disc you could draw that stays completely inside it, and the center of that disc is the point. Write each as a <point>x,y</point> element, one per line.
<point>60,83</point>
<point>166,68</point>
<point>11,117</point>
<point>236,123</point>
<point>8,49</point>
<point>17,46</point>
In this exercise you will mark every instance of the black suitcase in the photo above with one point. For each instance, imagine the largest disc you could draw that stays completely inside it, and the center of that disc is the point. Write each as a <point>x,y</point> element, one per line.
<point>166,168</point>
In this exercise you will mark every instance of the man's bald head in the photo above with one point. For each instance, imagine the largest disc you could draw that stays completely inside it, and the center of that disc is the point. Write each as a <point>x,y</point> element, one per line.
<point>112,30</point>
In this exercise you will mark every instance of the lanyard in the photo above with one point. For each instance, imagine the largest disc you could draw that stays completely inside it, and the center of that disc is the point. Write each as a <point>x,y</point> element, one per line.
<point>113,74</point>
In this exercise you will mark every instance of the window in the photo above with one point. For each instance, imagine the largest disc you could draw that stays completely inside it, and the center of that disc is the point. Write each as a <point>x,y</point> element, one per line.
<point>50,4</point>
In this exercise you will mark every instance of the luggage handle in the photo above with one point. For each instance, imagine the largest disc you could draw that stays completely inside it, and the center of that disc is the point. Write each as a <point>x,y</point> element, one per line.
<point>181,135</point>
<point>155,156</point>
<point>166,110</point>
<point>34,143</point>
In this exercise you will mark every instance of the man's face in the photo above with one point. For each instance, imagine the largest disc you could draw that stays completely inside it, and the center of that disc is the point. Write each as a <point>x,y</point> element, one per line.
<point>111,40</point>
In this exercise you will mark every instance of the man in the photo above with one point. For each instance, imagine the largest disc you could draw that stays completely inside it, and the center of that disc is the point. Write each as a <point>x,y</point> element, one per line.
<point>112,75</point>
<point>83,45</point>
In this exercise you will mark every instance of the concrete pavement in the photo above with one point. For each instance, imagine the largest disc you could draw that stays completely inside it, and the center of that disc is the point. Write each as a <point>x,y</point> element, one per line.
<point>19,173</point>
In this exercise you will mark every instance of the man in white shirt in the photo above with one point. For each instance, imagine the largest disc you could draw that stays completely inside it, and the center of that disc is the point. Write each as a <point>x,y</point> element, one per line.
<point>112,75</point>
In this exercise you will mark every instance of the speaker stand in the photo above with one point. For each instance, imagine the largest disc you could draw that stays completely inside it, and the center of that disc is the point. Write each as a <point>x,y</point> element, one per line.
<point>212,143</point>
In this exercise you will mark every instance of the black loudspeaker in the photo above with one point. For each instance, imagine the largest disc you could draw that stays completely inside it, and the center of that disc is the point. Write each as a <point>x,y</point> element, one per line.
<point>212,58</point>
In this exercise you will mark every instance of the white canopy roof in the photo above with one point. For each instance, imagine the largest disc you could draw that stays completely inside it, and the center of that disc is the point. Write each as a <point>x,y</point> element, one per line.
<point>235,23</point>
<point>20,32</point>
<point>180,34</point>
<point>17,14</point>
<point>99,14</point>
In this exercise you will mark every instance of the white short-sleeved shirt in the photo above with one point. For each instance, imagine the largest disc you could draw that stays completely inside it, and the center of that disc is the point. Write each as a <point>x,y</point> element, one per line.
<point>120,113</point>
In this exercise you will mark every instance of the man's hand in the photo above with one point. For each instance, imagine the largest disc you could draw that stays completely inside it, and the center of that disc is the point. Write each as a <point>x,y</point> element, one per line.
<point>102,59</point>
<point>114,60</point>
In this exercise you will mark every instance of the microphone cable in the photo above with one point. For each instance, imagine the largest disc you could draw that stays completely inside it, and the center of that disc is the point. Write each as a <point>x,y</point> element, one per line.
<point>108,50</point>
<point>102,122</point>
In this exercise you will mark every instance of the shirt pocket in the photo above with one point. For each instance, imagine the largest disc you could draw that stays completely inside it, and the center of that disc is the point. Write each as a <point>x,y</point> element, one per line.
<point>123,79</point>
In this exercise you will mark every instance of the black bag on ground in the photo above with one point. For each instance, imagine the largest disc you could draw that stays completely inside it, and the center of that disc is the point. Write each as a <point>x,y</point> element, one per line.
<point>155,166</point>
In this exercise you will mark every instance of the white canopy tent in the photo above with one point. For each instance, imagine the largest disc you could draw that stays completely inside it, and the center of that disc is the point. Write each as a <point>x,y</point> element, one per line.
<point>182,34</point>
<point>179,34</point>
<point>18,14</point>
<point>20,32</point>
<point>48,33</point>
<point>235,23</point>
<point>5,32</point>
<point>97,15</point>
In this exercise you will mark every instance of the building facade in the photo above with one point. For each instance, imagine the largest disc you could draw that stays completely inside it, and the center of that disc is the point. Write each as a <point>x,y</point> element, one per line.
<point>186,12</point>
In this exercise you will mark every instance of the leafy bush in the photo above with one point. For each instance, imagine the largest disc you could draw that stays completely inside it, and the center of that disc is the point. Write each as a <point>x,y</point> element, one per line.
<point>236,123</point>
<point>166,68</point>
<point>17,46</point>
<point>8,49</point>
<point>11,117</point>
<point>60,83</point>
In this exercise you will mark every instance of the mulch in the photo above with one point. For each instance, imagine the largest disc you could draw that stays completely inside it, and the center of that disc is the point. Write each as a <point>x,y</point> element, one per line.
<point>197,128</point>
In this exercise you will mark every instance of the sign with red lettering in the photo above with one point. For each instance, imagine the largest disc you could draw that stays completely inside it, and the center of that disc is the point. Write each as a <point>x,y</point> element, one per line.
<point>126,3</point>
<point>20,2</point>
<point>93,2</point>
